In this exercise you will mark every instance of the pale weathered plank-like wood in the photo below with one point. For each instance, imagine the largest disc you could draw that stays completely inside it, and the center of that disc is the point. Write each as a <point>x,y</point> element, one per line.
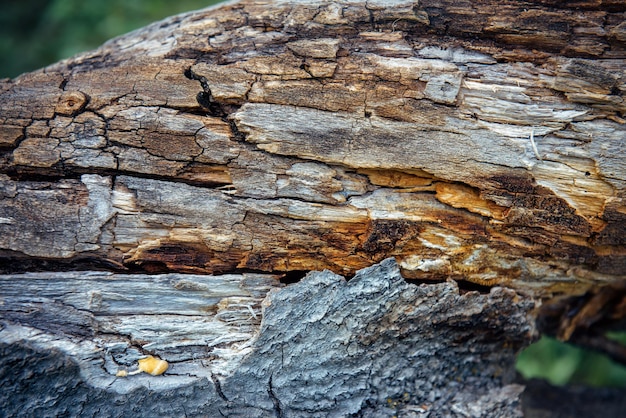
<point>203,325</point>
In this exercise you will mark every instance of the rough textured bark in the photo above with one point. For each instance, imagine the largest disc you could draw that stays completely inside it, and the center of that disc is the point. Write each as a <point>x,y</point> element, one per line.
<point>481,142</point>
<point>373,346</point>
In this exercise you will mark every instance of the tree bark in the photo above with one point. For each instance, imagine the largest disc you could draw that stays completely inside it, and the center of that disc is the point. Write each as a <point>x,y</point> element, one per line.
<point>478,143</point>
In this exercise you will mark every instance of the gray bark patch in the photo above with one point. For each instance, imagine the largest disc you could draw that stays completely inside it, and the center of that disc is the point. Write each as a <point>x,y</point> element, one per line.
<point>372,346</point>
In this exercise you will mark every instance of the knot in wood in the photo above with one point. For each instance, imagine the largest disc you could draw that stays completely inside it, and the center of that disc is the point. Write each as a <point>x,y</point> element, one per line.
<point>71,103</point>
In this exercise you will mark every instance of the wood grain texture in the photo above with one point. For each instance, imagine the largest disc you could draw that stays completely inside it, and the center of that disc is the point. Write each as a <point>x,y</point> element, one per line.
<point>201,161</point>
<point>297,136</point>
<point>203,325</point>
<point>279,149</point>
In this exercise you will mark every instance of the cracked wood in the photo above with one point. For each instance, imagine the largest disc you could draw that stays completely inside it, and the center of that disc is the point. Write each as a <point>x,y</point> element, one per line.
<point>267,138</point>
<point>329,136</point>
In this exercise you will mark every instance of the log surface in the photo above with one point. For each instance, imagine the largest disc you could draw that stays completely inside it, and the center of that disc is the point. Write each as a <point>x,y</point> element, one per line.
<point>296,136</point>
<point>375,346</point>
<point>188,168</point>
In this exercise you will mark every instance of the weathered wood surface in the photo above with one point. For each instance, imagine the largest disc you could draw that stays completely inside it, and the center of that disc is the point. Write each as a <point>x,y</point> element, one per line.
<point>287,136</point>
<point>108,321</point>
<point>474,141</point>
<point>375,346</point>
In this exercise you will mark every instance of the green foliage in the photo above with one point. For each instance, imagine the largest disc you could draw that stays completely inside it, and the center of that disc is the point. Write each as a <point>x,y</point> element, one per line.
<point>36,33</point>
<point>561,364</point>
<point>620,337</point>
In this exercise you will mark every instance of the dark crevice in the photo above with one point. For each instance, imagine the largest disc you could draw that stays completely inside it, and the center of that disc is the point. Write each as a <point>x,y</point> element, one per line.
<point>205,98</point>
<point>197,111</point>
<point>12,262</point>
<point>17,263</point>
<point>372,20</point>
<point>307,69</point>
<point>207,101</point>
<point>237,134</point>
<point>270,391</point>
<point>149,267</point>
<point>191,75</point>
<point>294,276</point>
<point>466,286</point>
<point>52,175</point>
<point>218,388</point>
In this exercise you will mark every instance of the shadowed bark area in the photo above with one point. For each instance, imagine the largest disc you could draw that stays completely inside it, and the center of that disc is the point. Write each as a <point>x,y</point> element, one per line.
<point>187,168</point>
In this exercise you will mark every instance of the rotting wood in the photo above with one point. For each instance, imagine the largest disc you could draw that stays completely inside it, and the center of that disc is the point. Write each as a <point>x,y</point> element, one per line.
<point>291,128</point>
<point>473,141</point>
<point>203,325</point>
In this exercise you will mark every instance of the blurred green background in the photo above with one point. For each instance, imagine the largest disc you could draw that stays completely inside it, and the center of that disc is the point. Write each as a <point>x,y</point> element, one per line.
<point>563,364</point>
<point>35,33</point>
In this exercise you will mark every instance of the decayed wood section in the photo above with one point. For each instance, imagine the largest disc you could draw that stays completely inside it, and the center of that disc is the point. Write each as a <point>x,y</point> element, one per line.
<point>475,141</point>
<point>302,136</point>
<point>203,325</point>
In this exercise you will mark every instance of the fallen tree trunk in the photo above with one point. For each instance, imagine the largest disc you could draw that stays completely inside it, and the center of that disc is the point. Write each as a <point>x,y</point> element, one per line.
<point>481,143</point>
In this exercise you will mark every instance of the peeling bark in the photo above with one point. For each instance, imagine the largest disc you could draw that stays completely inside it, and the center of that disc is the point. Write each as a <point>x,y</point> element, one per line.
<point>476,142</point>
